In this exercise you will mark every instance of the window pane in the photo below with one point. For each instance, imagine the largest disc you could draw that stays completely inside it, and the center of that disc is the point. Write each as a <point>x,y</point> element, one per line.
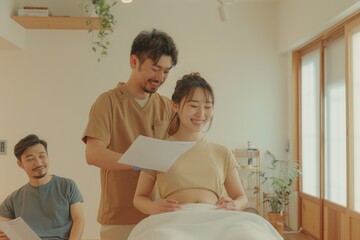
<point>335,122</point>
<point>356,103</point>
<point>310,94</point>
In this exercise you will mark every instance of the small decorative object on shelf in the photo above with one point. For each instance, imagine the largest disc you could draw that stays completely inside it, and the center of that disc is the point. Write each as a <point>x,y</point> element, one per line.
<point>249,157</point>
<point>34,11</point>
<point>251,151</point>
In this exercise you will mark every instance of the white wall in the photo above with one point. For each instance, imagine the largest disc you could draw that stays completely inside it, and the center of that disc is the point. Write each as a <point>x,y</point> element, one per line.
<point>48,87</point>
<point>298,21</point>
<point>11,34</point>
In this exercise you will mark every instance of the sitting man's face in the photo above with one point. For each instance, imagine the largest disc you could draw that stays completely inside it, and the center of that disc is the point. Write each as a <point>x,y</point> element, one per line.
<point>35,161</point>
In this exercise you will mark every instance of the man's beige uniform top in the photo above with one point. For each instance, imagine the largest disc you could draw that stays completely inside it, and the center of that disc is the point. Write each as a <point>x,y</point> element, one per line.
<point>117,119</point>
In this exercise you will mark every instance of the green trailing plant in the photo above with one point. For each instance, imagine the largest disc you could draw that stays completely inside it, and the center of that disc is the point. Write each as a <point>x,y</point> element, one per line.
<point>281,178</point>
<point>102,8</point>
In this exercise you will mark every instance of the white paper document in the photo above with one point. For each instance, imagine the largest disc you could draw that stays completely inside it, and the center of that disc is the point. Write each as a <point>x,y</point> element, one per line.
<point>17,229</point>
<point>155,154</point>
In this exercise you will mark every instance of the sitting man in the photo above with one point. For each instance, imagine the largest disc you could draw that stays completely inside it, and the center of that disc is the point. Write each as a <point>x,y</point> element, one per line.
<point>50,205</point>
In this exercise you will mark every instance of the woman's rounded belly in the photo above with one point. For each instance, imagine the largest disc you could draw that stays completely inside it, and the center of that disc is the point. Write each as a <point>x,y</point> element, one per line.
<point>194,195</point>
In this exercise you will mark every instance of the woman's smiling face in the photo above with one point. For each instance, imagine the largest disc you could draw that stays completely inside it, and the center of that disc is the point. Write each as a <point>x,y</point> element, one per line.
<point>195,111</point>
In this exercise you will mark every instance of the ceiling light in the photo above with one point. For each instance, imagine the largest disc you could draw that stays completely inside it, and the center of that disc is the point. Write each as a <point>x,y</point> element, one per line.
<point>126,1</point>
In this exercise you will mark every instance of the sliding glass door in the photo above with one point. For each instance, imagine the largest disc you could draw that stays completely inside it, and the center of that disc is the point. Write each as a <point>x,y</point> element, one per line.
<point>328,76</point>
<point>355,113</point>
<point>310,123</point>
<point>335,122</point>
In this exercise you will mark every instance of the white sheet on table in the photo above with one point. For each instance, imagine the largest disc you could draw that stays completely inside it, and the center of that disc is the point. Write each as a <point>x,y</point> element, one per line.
<point>204,222</point>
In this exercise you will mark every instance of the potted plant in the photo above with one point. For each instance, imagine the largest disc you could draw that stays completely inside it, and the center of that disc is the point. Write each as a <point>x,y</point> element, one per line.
<point>102,9</point>
<point>280,180</point>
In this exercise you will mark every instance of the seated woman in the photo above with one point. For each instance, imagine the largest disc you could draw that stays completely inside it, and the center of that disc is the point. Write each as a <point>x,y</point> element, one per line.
<point>203,179</point>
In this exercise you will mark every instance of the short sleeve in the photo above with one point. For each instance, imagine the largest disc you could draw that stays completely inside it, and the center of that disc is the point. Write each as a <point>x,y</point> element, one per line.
<point>232,163</point>
<point>99,124</point>
<point>149,174</point>
<point>74,193</point>
<point>7,208</point>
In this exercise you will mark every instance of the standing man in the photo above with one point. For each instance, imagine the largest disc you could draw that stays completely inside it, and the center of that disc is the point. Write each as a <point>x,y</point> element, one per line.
<point>117,118</point>
<point>50,205</point>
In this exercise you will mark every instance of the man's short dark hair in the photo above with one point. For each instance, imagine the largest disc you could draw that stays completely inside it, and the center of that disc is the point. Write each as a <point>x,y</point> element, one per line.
<point>27,142</point>
<point>153,44</point>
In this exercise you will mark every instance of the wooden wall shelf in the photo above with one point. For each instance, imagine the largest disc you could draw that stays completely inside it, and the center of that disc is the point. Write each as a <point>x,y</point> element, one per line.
<point>53,22</point>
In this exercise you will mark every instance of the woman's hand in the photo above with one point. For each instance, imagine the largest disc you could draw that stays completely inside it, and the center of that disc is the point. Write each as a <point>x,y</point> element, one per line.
<point>227,203</point>
<point>3,236</point>
<point>166,205</point>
